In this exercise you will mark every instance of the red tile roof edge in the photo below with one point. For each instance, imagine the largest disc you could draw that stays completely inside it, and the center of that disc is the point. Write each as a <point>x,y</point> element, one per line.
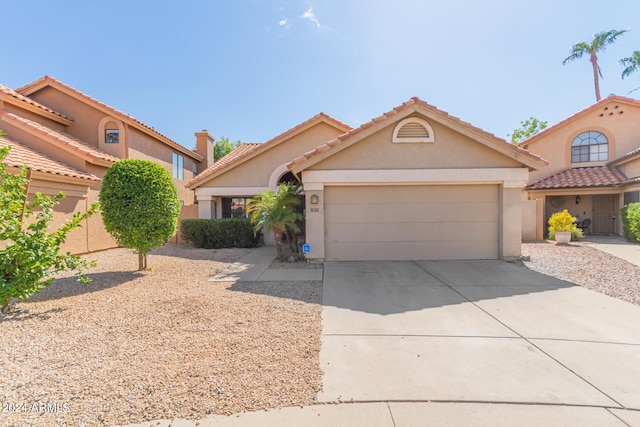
<point>259,147</point>
<point>32,156</point>
<point>49,80</point>
<point>413,101</point>
<point>620,178</point>
<point>61,137</point>
<point>610,98</point>
<point>12,93</point>
<point>625,158</point>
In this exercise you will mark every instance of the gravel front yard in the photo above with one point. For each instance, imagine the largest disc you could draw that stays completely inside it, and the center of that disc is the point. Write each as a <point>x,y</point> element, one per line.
<point>160,344</point>
<point>585,266</point>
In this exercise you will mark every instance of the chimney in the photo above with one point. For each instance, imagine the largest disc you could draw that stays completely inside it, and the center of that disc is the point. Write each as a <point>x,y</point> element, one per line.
<point>204,147</point>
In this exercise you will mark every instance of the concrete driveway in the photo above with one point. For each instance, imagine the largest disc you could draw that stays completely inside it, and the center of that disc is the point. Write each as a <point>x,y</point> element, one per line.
<point>475,331</point>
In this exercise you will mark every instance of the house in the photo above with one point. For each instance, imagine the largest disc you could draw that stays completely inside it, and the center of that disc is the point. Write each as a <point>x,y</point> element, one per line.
<point>594,164</point>
<point>69,139</point>
<point>414,183</point>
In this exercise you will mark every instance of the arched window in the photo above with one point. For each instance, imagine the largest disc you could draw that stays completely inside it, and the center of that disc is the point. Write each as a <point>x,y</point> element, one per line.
<point>590,146</point>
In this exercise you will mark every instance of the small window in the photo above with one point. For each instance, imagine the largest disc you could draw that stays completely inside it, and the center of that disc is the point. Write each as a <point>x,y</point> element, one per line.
<point>413,130</point>
<point>590,146</point>
<point>111,136</point>
<point>234,207</point>
<point>178,166</point>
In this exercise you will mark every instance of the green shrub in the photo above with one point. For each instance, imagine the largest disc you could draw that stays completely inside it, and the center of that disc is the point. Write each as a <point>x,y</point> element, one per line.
<point>219,233</point>
<point>576,234</point>
<point>631,221</point>
<point>140,205</point>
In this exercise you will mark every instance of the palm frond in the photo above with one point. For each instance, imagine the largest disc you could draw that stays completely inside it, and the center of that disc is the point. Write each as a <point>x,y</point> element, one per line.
<point>631,64</point>
<point>577,51</point>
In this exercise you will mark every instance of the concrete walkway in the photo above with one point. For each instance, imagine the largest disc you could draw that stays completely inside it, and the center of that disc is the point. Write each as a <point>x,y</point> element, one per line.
<point>255,267</point>
<point>617,246</point>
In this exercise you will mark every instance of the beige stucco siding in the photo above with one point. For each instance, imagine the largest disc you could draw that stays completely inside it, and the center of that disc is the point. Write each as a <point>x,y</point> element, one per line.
<point>51,124</point>
<point>450,150</point>
<point>631,169</point>
<point>412,222</point>
<point>86,118</point>
<point>141,146</point>
<point>257,171</point>
<point>621,129</point>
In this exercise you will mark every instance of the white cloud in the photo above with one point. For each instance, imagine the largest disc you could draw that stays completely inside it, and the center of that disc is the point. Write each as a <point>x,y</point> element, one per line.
<point>282,22</point>
<point>311,17</point>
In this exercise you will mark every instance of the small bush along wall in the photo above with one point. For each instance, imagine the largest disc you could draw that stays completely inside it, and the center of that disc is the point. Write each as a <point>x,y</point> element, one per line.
<point>219,233</point>
<point>631,221</point>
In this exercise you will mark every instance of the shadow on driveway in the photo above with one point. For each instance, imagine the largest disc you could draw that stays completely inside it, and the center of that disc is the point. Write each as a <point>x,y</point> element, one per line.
<point>387,287</point>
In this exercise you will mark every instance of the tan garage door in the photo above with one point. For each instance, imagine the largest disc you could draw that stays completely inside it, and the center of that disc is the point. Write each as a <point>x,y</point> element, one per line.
<point>411,222</point>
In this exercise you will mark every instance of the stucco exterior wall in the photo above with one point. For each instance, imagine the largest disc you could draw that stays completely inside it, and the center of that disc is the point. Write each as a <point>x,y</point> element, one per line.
<point>257,171</point>
<point>142,146</point>
<point>619,122</point>
<point>86,118</point>
<point>450,150</point>
<point>632,168</point>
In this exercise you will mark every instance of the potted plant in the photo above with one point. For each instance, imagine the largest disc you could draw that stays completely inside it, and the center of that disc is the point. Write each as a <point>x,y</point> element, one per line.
<point>561,224</point>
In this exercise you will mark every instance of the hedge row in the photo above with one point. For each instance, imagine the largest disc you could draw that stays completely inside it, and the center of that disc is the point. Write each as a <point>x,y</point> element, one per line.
<point>219,233</point>
<point>631,221</point>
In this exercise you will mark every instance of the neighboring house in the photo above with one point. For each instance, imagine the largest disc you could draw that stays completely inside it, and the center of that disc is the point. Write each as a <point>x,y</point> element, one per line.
<point>68,140</point>
<point>224,188</point>
<point>594,164</point>
<point>414,183</point>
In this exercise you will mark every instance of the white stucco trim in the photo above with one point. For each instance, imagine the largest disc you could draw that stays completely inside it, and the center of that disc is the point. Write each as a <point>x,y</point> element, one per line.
<point>276,174</point>
<point>515,177</point>
<point>229,191</point>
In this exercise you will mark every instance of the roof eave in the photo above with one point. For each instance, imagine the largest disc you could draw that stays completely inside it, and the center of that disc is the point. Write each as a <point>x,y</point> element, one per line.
<point>50,81</point>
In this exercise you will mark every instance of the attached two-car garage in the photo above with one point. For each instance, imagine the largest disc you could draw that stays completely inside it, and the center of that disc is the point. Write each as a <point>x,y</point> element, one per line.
<point>387,222</point>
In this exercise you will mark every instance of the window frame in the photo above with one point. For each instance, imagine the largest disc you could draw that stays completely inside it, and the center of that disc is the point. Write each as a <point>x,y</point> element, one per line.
<point>588,147</point>
<point>178,166</point>
<point>227,210</point>
<point>107,136</point>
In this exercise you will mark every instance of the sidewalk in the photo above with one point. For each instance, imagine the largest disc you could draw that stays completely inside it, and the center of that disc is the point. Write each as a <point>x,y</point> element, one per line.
<point>414,414</point>
<point>617,246</point>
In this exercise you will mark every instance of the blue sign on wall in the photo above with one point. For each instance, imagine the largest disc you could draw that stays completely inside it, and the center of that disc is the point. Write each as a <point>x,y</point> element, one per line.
<point>306,248</point>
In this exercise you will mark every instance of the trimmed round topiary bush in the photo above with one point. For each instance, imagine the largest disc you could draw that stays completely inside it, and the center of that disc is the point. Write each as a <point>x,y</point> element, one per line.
<point>140,205</point>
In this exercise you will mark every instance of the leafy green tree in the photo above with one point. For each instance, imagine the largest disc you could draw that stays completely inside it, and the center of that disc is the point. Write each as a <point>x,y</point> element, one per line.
<point>223,147</point>
<point>140,205</point>
<point>527,129</point>
<point>30,255</point>
<point>598,43</point>
<point>631,65</point>
<point>276,211</point>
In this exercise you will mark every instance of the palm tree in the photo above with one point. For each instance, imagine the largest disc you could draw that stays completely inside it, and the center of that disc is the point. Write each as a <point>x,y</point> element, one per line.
<point>275,211</point>
<point>598,43</point>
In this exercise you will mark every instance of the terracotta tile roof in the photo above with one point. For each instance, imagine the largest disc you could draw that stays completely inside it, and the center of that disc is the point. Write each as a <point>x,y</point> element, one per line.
<point>48,80</point>
<point>22,155</point>
<point>255,148</point>
<point>594,176</point>
<point>593,107</point>
<point>8,92</point>
<point>66,141</point>
<point>232,156</point>
<point>632,155</point>
<point>415,101</point>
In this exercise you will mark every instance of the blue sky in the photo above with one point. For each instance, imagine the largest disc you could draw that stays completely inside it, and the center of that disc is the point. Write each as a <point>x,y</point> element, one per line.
<point>251,69</point>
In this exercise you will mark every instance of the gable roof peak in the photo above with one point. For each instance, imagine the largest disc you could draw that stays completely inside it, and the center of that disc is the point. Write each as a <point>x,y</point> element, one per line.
<point>48,80</point>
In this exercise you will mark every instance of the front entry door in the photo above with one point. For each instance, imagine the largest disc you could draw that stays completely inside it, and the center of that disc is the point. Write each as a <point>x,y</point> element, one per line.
<point>605,214</point>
